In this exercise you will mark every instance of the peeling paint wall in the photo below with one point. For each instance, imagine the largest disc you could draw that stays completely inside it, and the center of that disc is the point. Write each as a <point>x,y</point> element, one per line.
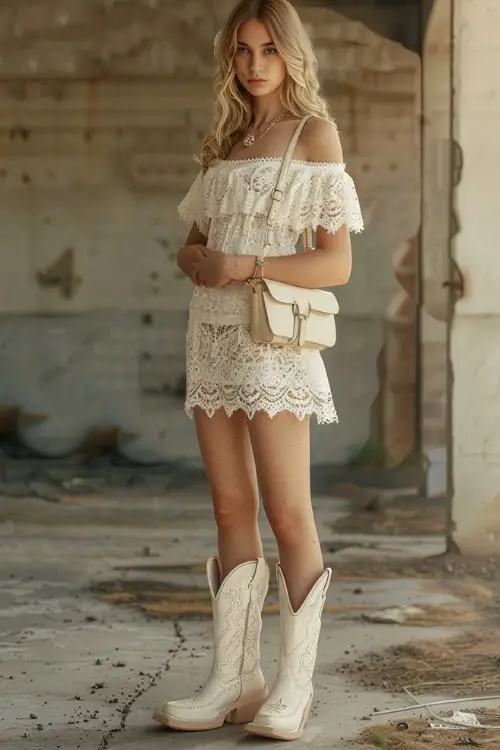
<point>475,337</point>
<point>102,104</point>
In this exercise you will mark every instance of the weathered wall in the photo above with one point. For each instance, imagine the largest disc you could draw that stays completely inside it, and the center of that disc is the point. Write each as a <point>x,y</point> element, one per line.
<point>435,233</point>
<point>475,339</point>
<point>102,105</point>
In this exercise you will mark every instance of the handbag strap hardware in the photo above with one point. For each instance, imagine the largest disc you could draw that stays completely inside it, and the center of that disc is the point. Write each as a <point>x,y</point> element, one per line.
<point>301,318</point>
<point>278,191</point>
<point>274,196</point>
<point>301,314</point>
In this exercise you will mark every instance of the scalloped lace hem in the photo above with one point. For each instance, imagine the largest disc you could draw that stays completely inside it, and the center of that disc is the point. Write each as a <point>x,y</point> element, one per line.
<point>325,413</point>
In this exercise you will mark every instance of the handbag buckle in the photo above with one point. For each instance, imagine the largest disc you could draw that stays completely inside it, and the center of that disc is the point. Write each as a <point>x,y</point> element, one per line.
<point>301,315</point>
<point>274,196</point>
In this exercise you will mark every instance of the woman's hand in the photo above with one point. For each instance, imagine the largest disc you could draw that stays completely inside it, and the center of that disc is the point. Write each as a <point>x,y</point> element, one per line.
<point>187,258</point>
<point>212,269</point>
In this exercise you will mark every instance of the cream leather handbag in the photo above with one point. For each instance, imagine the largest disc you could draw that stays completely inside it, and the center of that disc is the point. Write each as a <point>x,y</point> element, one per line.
<point>286,315</point>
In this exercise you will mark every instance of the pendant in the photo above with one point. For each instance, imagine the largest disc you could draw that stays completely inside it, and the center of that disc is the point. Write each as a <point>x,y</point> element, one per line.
<point>250,138</point>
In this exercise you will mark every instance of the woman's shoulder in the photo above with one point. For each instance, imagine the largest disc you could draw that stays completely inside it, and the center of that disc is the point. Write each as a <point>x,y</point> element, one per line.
<point>320,141</point>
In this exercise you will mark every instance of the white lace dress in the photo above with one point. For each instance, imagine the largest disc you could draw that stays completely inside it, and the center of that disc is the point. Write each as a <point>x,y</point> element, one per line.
<point>229,203</point>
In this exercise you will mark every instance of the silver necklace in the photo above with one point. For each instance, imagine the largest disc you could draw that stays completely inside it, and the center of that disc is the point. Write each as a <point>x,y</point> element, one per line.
<point>250,138</point>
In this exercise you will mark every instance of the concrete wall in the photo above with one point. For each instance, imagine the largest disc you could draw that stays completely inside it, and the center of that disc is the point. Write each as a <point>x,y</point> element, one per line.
<point>102,104</point>
<point>435,234</point>
<point>475,338</point>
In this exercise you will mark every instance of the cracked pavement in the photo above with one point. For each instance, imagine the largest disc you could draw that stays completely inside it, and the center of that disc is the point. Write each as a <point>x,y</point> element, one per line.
<point>80,672</point>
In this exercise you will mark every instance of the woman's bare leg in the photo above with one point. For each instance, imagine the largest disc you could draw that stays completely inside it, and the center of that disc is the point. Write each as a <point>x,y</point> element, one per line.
<point>281,447</point>
<point>236,687</point>
<point>228,459</point>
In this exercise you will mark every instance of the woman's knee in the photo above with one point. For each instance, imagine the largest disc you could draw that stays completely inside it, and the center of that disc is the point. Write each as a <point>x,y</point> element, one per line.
<point>288,524</point>
<point>234,508</point>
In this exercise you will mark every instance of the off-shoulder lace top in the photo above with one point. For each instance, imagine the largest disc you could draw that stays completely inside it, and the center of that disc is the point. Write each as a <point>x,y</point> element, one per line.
<point>230,201</point>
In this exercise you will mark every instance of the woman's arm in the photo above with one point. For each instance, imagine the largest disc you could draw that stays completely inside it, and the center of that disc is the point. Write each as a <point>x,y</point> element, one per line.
<point>191,253</point>
<point>330,263</point>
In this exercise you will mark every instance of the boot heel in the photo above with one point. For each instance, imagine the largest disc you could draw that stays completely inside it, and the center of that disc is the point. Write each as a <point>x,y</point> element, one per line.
<point>247,712</point>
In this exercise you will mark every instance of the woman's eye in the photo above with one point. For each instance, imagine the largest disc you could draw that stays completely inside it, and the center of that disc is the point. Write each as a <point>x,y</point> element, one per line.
<point>272,51</point>
<point>242,49</point>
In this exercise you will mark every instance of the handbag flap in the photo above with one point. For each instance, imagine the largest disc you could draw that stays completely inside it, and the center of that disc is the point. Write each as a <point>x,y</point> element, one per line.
<point>320,300</point>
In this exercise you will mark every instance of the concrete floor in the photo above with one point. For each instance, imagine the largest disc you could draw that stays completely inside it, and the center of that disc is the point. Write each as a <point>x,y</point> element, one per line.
<point>79,673</point>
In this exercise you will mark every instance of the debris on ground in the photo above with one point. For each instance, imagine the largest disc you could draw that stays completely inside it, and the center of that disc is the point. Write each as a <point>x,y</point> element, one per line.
<point>459,718</point>
<point>415,734</point>
<point>425,615</point>
<point>465,665</point>
<point>394,615</point>
<point>473,579</point>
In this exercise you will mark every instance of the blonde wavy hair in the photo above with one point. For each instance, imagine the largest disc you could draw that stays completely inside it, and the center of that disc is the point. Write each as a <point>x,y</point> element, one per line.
<point>300,92</point>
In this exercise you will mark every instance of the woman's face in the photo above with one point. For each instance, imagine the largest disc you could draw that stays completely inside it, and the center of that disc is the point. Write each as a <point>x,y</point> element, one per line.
<point>258,65</point>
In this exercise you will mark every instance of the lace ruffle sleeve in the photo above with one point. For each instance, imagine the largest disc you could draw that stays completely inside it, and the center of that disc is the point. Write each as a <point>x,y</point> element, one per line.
<point>326,198</point>
<point>192,209</point>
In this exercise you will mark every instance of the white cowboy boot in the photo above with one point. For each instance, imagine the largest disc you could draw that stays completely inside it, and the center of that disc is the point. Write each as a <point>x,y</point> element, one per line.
<point>284,714</point>
<point>236,687</point>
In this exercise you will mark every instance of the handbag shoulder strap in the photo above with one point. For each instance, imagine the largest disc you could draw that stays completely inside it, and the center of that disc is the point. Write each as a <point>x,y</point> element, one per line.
<point>278,191</point>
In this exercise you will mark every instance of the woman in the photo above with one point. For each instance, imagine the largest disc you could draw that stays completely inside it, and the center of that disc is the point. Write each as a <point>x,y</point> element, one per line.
<point>252,403</point>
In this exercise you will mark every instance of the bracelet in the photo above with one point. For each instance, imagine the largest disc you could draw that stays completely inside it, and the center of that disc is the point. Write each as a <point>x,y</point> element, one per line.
<point>259,263</point>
